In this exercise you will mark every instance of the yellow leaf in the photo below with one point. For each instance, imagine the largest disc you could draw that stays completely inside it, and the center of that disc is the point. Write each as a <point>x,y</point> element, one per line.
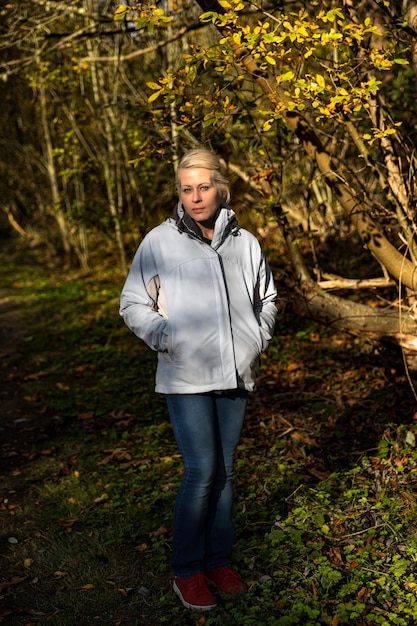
<point>89,586</point>
<point>154,95</point>
<point>270,60</point>
<point>121,10</point>
<point>287,76</point>
<point>152,85</point>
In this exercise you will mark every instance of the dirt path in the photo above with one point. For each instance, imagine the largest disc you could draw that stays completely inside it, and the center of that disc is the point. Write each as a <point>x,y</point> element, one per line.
<point>16,424</point>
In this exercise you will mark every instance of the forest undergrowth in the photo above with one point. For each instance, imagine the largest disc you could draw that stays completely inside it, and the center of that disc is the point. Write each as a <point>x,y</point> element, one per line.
<point>326,471</point>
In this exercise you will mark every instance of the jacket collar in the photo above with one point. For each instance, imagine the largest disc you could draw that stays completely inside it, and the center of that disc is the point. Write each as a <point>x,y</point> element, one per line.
<point>225,224</point>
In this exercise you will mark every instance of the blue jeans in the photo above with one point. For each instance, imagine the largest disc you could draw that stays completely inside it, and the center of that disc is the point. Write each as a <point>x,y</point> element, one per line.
<point>207,428</point>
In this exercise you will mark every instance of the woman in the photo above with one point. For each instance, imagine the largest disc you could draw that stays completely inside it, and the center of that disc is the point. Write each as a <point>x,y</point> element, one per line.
<point>201,294</point>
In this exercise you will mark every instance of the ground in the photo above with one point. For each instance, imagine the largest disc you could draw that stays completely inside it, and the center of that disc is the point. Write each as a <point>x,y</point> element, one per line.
<point>16,425</point>
<point>86,501</point>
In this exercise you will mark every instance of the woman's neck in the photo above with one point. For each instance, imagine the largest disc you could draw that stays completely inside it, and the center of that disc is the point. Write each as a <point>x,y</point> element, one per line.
<point>207,230</point>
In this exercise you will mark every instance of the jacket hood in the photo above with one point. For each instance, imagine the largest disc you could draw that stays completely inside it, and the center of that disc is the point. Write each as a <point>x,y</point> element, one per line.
<point>225,224</point>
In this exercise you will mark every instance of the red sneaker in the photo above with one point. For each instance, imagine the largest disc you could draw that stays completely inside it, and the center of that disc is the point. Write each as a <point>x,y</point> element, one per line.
<point>194,593</point>
<point>227,581</point>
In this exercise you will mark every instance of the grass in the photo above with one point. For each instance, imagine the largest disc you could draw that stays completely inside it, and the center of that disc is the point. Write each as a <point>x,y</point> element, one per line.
<point>325,509</point>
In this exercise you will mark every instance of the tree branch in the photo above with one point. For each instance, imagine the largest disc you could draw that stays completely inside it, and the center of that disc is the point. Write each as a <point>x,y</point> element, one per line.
<point>399,266</point>
<point>141,52</point>
<point>337,282</point>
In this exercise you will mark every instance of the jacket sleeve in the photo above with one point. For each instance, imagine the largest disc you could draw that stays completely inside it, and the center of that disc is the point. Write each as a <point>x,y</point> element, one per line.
<point>264,302</point>
<point>139,300</point>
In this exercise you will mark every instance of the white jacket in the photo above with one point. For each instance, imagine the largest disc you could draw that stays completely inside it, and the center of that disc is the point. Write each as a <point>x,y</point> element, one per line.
<point>208,310</point>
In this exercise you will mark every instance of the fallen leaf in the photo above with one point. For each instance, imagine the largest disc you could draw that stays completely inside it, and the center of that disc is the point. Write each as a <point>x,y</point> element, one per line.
<point>292,367</point>
<point>125,592</point>
<point>36,375</point>
<point>16,580</point>
<point>362,594</point>
<point>88,415</point>
<point>321,475</point>
<point>68,523</point>
<point>63,387</point>
<point>101,498</point>
<point>118,454</point>
<point>162,530</point>
<point>142,547</point>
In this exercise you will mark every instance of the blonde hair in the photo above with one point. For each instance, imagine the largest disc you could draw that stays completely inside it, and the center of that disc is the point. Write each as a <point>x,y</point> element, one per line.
<point>201,157</point>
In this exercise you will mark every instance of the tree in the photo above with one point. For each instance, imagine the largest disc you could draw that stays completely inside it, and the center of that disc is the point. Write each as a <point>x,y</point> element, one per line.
<point>324,85</point>
<point>66,156</point>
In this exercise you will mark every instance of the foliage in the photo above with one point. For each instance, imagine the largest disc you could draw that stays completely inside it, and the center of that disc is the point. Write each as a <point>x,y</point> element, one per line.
<point>325,474</point>
<point>118,113</point>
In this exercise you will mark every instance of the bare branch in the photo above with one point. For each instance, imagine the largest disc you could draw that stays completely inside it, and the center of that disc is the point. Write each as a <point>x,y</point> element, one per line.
<point>137,53</point>
<point>338,282</point>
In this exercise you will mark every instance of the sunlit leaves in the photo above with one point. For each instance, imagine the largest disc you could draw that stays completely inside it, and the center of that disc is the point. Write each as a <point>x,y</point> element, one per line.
<point>327,40</point>
<point>142,17</point>
<point>377,134</point>
<point>121,11</point>
<point>158,91</point>
<point>287,76</point>
<point>230,7</point>
<point>310,57</point>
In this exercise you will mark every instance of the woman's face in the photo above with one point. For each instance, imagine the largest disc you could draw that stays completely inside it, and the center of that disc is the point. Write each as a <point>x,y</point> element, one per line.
<point>199,196</point>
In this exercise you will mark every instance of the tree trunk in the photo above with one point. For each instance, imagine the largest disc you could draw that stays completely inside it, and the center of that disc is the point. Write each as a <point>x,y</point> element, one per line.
<point>52,174</point>
<point>108,160</point>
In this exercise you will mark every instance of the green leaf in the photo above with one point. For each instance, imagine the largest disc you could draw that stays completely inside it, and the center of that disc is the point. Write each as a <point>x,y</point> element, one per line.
<point>410,438</point>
